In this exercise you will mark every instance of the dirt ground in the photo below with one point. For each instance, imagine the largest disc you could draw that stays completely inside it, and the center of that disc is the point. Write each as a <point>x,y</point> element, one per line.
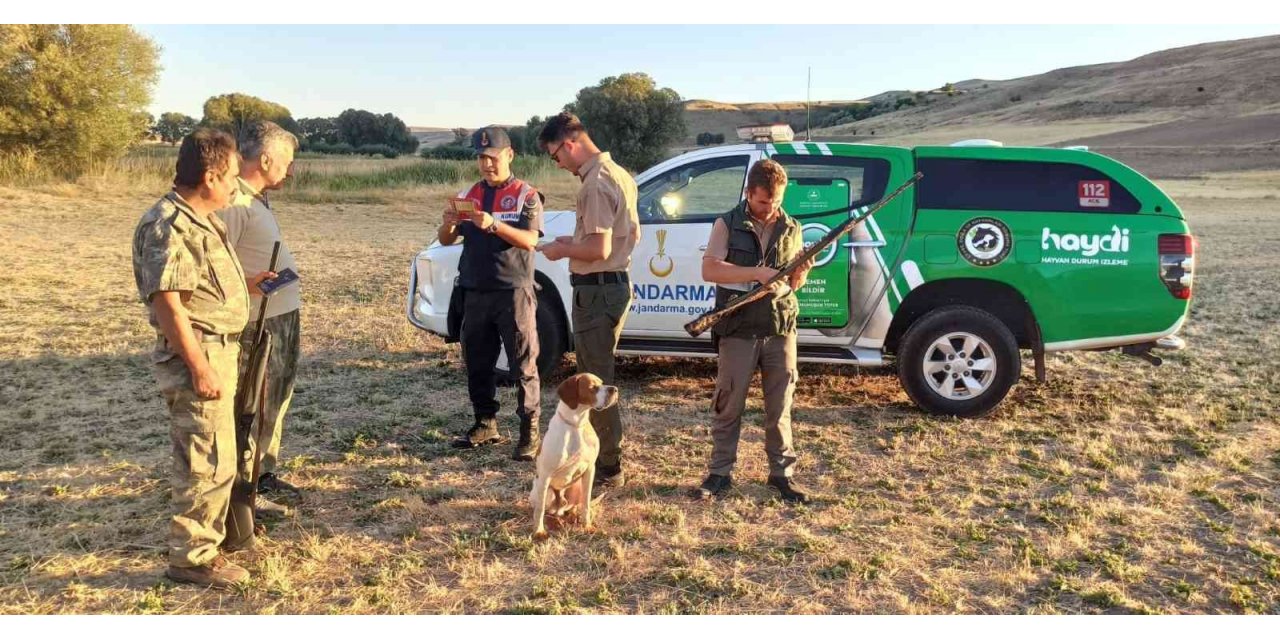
<point>1115,487</point>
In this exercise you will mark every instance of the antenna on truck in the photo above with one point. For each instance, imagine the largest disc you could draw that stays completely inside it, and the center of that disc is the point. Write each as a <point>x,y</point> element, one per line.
<point>808,89</point>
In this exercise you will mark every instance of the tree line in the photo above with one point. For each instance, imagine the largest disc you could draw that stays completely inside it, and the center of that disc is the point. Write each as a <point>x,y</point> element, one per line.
<point>352,131</point>
<point>627,115</point>
<point>73,95</point>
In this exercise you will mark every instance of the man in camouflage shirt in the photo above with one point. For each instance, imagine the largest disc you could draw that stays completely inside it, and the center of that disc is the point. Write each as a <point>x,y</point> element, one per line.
<point>196,295</point>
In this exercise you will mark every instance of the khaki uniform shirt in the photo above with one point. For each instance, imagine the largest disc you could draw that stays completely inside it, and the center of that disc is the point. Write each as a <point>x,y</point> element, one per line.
<point>606,202</point>
<point>176,249</point>
<point>253,231</point>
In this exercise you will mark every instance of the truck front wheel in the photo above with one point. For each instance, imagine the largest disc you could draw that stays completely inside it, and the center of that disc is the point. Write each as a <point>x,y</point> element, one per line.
<point>959,361</point>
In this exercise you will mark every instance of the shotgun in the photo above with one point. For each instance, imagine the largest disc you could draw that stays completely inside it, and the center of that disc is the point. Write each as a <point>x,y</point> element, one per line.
<point>700,324</point>
<point>251,409</point>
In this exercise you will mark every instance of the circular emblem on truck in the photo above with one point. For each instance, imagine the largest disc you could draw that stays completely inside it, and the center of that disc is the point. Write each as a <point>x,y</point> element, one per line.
<point>813,232</point>
<point>984,241</point>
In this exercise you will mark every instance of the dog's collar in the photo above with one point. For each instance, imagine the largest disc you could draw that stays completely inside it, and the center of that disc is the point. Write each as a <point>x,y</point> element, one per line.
<point>572,416</point>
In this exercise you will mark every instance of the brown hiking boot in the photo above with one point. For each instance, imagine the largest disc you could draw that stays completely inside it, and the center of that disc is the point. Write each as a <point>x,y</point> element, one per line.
<point>527,447</point>
<point>278,490</point>
<point>609,478</point>
<point>713,486</point>
<point>485,431</point>
<point>219,574</point>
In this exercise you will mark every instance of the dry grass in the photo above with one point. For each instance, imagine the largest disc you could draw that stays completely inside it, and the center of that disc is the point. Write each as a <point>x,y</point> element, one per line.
<point>1115,487</point>
<point>1015,134</point>
<point>318,178</point>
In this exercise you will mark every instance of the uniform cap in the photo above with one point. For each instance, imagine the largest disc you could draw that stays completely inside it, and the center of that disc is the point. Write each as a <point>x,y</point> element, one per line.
<point>490,138</point>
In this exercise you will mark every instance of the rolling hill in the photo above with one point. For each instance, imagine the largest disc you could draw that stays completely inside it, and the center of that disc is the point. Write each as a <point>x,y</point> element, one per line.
<point>1218,102</point>
<point>1182,111</point>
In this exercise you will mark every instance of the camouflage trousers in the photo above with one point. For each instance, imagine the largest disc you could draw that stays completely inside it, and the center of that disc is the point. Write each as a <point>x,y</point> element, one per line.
<point>203,433</point>
<point>282,370</point>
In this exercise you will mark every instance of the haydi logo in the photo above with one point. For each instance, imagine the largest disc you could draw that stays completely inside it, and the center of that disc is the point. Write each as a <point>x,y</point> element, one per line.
<point>1115,242</point>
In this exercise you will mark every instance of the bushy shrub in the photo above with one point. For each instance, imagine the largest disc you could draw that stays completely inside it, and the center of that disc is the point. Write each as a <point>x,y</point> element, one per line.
<point>449,152</point>
<point>383,150</point>
<point>72,95</point>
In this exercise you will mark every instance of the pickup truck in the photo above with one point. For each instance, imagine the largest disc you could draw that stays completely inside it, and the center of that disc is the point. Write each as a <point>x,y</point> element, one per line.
<point>995,250</point>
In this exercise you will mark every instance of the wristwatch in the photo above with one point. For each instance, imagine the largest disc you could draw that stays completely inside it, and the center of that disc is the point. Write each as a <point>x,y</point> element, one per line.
<point>493,228</point>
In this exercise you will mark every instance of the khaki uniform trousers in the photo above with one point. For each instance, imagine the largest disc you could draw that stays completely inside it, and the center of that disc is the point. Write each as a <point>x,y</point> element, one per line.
<point>599,313</point>
<point>203,433</point>
<point>775,357</point>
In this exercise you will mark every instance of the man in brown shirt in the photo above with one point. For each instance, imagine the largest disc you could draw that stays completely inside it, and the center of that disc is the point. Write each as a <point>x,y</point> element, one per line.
<point>599,253</point>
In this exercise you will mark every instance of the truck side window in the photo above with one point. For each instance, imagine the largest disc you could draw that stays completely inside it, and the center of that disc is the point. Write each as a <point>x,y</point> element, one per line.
<point>694,192</point>
<point>866,178</point>
<point>1011,185</point>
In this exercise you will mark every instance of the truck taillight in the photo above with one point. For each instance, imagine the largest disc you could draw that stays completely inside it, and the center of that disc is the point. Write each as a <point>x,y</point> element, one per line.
<point>1177,263</point>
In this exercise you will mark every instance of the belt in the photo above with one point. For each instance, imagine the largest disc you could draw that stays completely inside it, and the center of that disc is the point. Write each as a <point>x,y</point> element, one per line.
<point>603,277</point>
<point>219,338</point>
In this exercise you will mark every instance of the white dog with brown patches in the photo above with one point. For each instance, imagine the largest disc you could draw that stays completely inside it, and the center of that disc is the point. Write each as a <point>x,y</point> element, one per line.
<point>566,458</point>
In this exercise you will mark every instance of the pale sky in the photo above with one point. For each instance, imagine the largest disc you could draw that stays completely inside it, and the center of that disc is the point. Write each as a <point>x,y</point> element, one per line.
<point>470,76</point>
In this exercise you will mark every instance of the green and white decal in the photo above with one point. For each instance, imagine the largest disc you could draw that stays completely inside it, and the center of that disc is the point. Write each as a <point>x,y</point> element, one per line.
<point>824,299</point>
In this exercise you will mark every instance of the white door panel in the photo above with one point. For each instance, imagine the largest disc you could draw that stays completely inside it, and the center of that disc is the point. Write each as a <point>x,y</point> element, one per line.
<point>666,278</point>
<point>677,207</point>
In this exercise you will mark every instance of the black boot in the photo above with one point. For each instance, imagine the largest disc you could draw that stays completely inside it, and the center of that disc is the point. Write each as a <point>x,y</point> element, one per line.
<point>484,431</point>
<point>528,444</point>
<point>791,492</point>
<point>713,486</point>
<point>609,478</point>
<point>278,490</point>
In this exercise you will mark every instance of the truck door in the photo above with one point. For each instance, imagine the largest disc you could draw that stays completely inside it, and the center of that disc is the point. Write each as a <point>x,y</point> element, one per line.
<point>677,208</point>
<point>838,295</point>
<point>824,300</point>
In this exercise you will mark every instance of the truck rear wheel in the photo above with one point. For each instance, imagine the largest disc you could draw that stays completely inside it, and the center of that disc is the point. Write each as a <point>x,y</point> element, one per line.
<point>551,340</point>
<point>959,361</point>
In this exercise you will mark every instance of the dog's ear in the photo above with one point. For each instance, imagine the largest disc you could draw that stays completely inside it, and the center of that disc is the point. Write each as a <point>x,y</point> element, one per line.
<point>585,395</point>
<point>568,390</point>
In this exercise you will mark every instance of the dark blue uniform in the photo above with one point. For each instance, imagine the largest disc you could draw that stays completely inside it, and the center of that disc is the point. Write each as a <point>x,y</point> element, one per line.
<point>500,303</point>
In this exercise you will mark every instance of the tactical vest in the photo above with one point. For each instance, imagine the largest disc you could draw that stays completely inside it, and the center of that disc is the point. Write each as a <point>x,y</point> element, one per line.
<point>773,315</point>
<point>488,262</point>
